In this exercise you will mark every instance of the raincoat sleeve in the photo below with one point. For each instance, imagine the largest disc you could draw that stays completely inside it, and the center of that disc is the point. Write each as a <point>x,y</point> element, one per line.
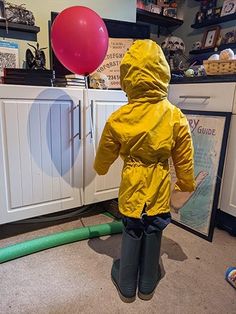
<point>107,152</point>
<point>182,156</point>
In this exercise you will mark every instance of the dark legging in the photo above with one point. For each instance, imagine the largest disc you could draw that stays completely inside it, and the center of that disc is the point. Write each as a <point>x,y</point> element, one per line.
<point>148,224</point>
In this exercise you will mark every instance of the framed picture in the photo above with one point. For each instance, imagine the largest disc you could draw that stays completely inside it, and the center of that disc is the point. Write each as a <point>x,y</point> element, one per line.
<point>196,211</point>
<point>2,10</point>
<point>9,55</point>
<point>217,12</point>
<point>171,12</point>
<point>229,37</point>
<point>210,37</point>
<point>210,13</point>
<point>199,17</point>
<point>229,7</point>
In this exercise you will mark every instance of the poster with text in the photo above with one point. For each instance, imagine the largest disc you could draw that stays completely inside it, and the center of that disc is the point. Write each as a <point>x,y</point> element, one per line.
<point>194,210</point>
<point>111,64</point>
<point>9,55</point>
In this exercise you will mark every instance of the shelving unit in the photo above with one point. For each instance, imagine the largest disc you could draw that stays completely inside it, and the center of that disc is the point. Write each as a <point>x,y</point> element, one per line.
<point>18,31</point>
<point>157,19</point>
<point>210,50</point>
<point>219,20</point>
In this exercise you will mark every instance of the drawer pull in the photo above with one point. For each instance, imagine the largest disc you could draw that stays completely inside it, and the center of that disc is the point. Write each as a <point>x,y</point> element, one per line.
<point>195,97</point>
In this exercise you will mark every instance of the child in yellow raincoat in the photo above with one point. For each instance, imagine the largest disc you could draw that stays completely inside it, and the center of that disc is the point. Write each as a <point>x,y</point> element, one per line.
<point>145,133</point>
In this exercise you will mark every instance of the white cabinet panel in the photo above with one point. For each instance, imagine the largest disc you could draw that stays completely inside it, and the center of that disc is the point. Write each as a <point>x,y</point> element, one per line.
<point>41,149</point>
<point>228,193</point>
<point>205,96</point>
<point>100,105</point>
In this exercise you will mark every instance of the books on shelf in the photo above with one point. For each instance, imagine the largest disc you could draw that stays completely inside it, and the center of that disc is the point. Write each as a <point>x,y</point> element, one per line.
<point>9,55</point>
<point>71,80</point>
<point>74,76</point>
<point>40,77</point>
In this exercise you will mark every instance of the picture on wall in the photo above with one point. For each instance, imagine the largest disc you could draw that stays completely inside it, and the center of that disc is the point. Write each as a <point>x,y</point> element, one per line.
<point>195,211</point>
<point>210,37</point>
<point>229,7</point>
<point>2,10</point>
<point>9,55</point>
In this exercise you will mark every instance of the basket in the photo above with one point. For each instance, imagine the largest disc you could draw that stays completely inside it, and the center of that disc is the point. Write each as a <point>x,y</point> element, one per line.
<point>219,67</point>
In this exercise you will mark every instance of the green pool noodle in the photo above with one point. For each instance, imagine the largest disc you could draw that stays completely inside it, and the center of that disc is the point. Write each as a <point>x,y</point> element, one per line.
<point>46,242</point>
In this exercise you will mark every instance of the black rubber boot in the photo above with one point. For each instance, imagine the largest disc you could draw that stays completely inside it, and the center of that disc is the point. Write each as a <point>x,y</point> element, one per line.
<point>149,272</point>
<point>124,271</point>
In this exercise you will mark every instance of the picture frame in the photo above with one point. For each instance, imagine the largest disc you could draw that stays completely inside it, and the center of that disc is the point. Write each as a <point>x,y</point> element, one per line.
<point>229,7</point>
<point>229,37</point>
<point>170,12</point>
<point>9,55</point>
<point>210,14</point>
<point>199,18</point>
<point>210,37</point>
<point>196,211</point>
<point>217,12</point>
<point>2,10</point>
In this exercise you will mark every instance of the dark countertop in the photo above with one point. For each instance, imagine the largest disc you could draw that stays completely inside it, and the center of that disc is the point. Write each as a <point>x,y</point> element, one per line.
<point>204,79</point>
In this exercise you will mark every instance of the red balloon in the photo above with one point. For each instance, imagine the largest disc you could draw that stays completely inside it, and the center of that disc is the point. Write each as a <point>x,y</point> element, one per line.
<point>79,39</point>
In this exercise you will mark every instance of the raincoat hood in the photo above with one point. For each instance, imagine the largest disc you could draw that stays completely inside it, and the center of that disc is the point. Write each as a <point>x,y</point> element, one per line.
<point>144,72</point>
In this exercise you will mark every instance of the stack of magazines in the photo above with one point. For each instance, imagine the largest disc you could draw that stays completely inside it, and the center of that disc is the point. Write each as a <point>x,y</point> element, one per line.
<point>70,80</point>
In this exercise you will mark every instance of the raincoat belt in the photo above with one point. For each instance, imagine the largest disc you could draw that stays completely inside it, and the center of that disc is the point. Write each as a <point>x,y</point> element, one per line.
<point>130,161</point>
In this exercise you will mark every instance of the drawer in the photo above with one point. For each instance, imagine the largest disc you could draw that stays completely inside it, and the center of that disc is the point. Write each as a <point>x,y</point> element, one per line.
<point>205,97</point>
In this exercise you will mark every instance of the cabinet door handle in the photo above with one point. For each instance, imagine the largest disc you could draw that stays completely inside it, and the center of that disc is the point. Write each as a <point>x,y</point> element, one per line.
<point>79,112</point>
<point>91,118</point>
<point>92,126</point>
<point>194,97</point>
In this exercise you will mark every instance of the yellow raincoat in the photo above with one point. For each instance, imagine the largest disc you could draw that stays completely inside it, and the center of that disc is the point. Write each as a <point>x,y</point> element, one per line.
<point>146,132</point>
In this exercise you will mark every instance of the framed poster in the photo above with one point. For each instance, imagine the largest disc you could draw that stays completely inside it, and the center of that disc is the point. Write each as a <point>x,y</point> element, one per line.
<point>210,37</point>
<point>229,7</point>
<point>9,55</point>
<point>2,10</point>
<point>111,64</point>
<point>196,211</point>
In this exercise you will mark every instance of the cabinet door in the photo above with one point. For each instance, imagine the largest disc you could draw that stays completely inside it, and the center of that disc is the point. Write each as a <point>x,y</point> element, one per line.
<point>228,193</point>
<point>41,154</point>
<point>100,105</point>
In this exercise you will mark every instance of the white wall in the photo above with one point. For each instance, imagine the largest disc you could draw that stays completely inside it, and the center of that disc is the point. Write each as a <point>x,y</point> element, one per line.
<point>113,9</point>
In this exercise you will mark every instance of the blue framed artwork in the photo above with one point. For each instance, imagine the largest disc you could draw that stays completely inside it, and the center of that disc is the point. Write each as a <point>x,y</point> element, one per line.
<point>196,211</point>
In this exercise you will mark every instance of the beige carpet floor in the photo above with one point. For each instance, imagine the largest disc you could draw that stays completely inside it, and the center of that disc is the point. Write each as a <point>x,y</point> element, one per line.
<point>75,278</point>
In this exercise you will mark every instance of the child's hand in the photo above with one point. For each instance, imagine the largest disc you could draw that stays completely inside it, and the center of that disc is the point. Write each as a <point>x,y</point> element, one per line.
<point>200,178</point>
<point>179,198</point>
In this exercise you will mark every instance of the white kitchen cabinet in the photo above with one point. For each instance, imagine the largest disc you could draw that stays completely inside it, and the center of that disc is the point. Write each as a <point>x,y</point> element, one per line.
<point>228,193</point>
<point>99,106</point>
<point>49,137</point>
<point>41,156</point>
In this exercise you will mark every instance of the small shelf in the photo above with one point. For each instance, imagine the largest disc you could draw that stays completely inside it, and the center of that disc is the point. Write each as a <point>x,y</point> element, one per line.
<point>157,19</point>
<point>21,27</point>
<point>19,31</point>
<point>209,50</point>
<point>218,20</point>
